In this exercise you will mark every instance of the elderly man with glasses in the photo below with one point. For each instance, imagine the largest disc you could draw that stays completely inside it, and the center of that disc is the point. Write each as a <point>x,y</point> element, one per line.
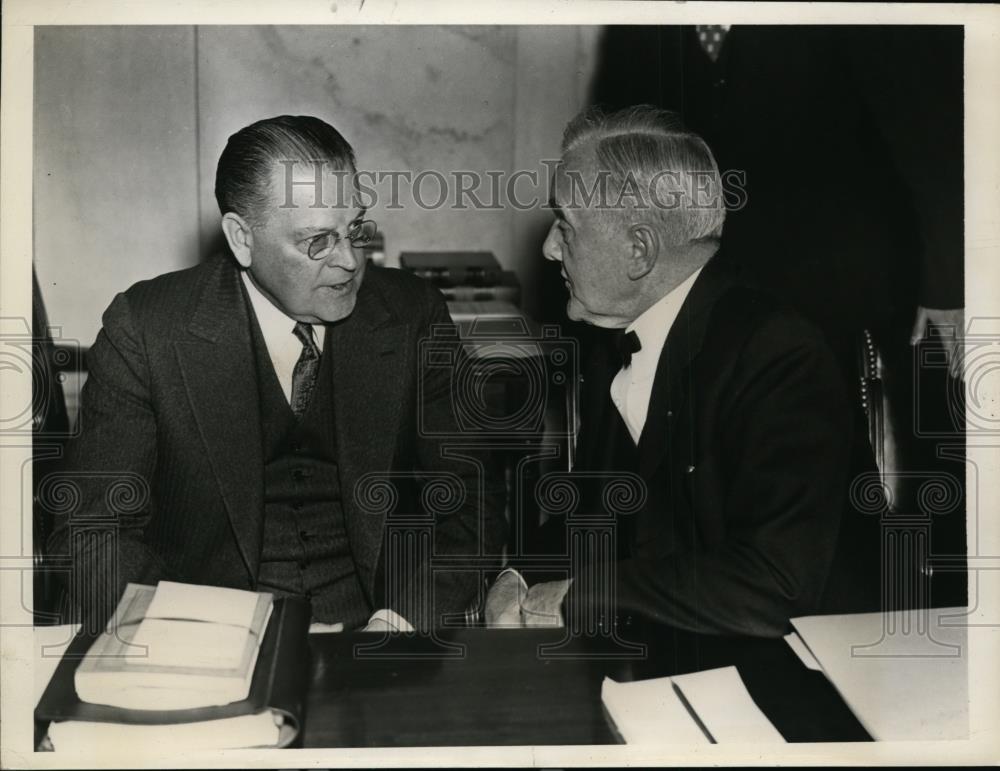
<point>270,417</point>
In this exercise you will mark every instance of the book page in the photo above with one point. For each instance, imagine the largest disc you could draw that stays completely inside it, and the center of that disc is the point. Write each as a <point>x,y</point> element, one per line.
<point>191,602</point>
<point>189,644</point>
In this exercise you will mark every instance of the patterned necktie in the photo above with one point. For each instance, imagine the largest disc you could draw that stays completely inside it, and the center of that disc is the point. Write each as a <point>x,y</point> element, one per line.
<point>711,37</point>
<point>627,343</point>
<point>306,369</point>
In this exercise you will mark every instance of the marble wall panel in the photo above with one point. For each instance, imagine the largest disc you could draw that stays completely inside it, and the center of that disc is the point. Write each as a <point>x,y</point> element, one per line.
<point>115,183</point>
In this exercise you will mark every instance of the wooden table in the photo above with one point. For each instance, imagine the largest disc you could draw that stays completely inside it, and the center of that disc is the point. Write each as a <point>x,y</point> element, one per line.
<point>500,691</point>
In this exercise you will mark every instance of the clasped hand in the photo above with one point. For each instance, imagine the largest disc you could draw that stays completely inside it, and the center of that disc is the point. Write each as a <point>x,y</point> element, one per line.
<point>510,603</point>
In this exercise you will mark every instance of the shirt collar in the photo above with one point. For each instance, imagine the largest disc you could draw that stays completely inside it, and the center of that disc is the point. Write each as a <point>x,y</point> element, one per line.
<point>275,324</point>
<point>654,324</point>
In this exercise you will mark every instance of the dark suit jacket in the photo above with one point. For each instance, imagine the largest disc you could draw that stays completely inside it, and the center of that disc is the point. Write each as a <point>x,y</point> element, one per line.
<point>170,415</point>
<point>746,456</point>
<point>850,139</point>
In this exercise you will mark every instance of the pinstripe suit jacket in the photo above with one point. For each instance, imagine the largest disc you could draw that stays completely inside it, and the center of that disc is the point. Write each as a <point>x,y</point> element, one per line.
<point>167,467</point>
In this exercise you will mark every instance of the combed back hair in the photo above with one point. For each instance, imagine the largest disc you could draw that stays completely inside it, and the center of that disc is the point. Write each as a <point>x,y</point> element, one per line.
<point>243,176</point>
<point>652,161</point>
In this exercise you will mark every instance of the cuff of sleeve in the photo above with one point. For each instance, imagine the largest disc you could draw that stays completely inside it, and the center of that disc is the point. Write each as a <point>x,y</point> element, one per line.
<point>395,621</point>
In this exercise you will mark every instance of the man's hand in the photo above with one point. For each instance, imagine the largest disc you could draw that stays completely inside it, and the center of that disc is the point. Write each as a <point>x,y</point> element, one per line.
<point>503,603</point>
<point>388,622</point>
<point>378,625</point>
<point>954,344</point>
<point>510,603</point>
<point>542,606</point>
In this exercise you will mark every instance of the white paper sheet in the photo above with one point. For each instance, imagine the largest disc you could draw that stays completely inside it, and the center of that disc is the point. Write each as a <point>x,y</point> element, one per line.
<point>903,674</point>
<point>650,712</point>
<point>725,707</point>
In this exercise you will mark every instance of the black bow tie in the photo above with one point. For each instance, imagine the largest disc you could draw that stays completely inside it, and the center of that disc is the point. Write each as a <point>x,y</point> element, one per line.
<point>627,343</point>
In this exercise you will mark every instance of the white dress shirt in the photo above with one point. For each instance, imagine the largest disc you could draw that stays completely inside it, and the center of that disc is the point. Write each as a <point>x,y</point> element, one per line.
<point>283,346</point>
<point>632,386</point>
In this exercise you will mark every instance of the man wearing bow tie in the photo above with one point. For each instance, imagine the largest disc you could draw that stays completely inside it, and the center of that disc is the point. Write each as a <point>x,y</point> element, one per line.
<point>727,406</point>
<point>263,407</point>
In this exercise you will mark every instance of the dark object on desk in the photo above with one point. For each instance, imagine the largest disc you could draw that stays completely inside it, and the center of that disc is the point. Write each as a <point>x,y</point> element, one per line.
<point>496,318</point>
<point>505,288</point>
<point>502,692</point>
<point>374,250</point>
<point>479,267</point>
<point>465,276</point>
<point>279,683</point>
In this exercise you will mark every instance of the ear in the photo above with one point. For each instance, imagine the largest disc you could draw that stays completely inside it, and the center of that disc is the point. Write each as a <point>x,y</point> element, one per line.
<point>239,236</point>
<point>645,249</point>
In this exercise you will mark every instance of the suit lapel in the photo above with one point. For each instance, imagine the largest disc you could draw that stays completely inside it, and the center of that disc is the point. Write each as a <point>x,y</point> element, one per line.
<point>671,385</point>
<point>602,364</point>
<point>217,365</point>
<point>369,354</point>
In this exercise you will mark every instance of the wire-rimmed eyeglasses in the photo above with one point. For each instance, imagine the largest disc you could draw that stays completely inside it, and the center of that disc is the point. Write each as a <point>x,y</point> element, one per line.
<point>360,232</point>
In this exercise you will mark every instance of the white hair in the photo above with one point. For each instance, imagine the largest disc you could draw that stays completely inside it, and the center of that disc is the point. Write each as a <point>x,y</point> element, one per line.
<point>645,154</point>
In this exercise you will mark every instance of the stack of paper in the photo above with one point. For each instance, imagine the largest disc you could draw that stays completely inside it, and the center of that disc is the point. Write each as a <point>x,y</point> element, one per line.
<point>698,708</point>
<point>178,647</point>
